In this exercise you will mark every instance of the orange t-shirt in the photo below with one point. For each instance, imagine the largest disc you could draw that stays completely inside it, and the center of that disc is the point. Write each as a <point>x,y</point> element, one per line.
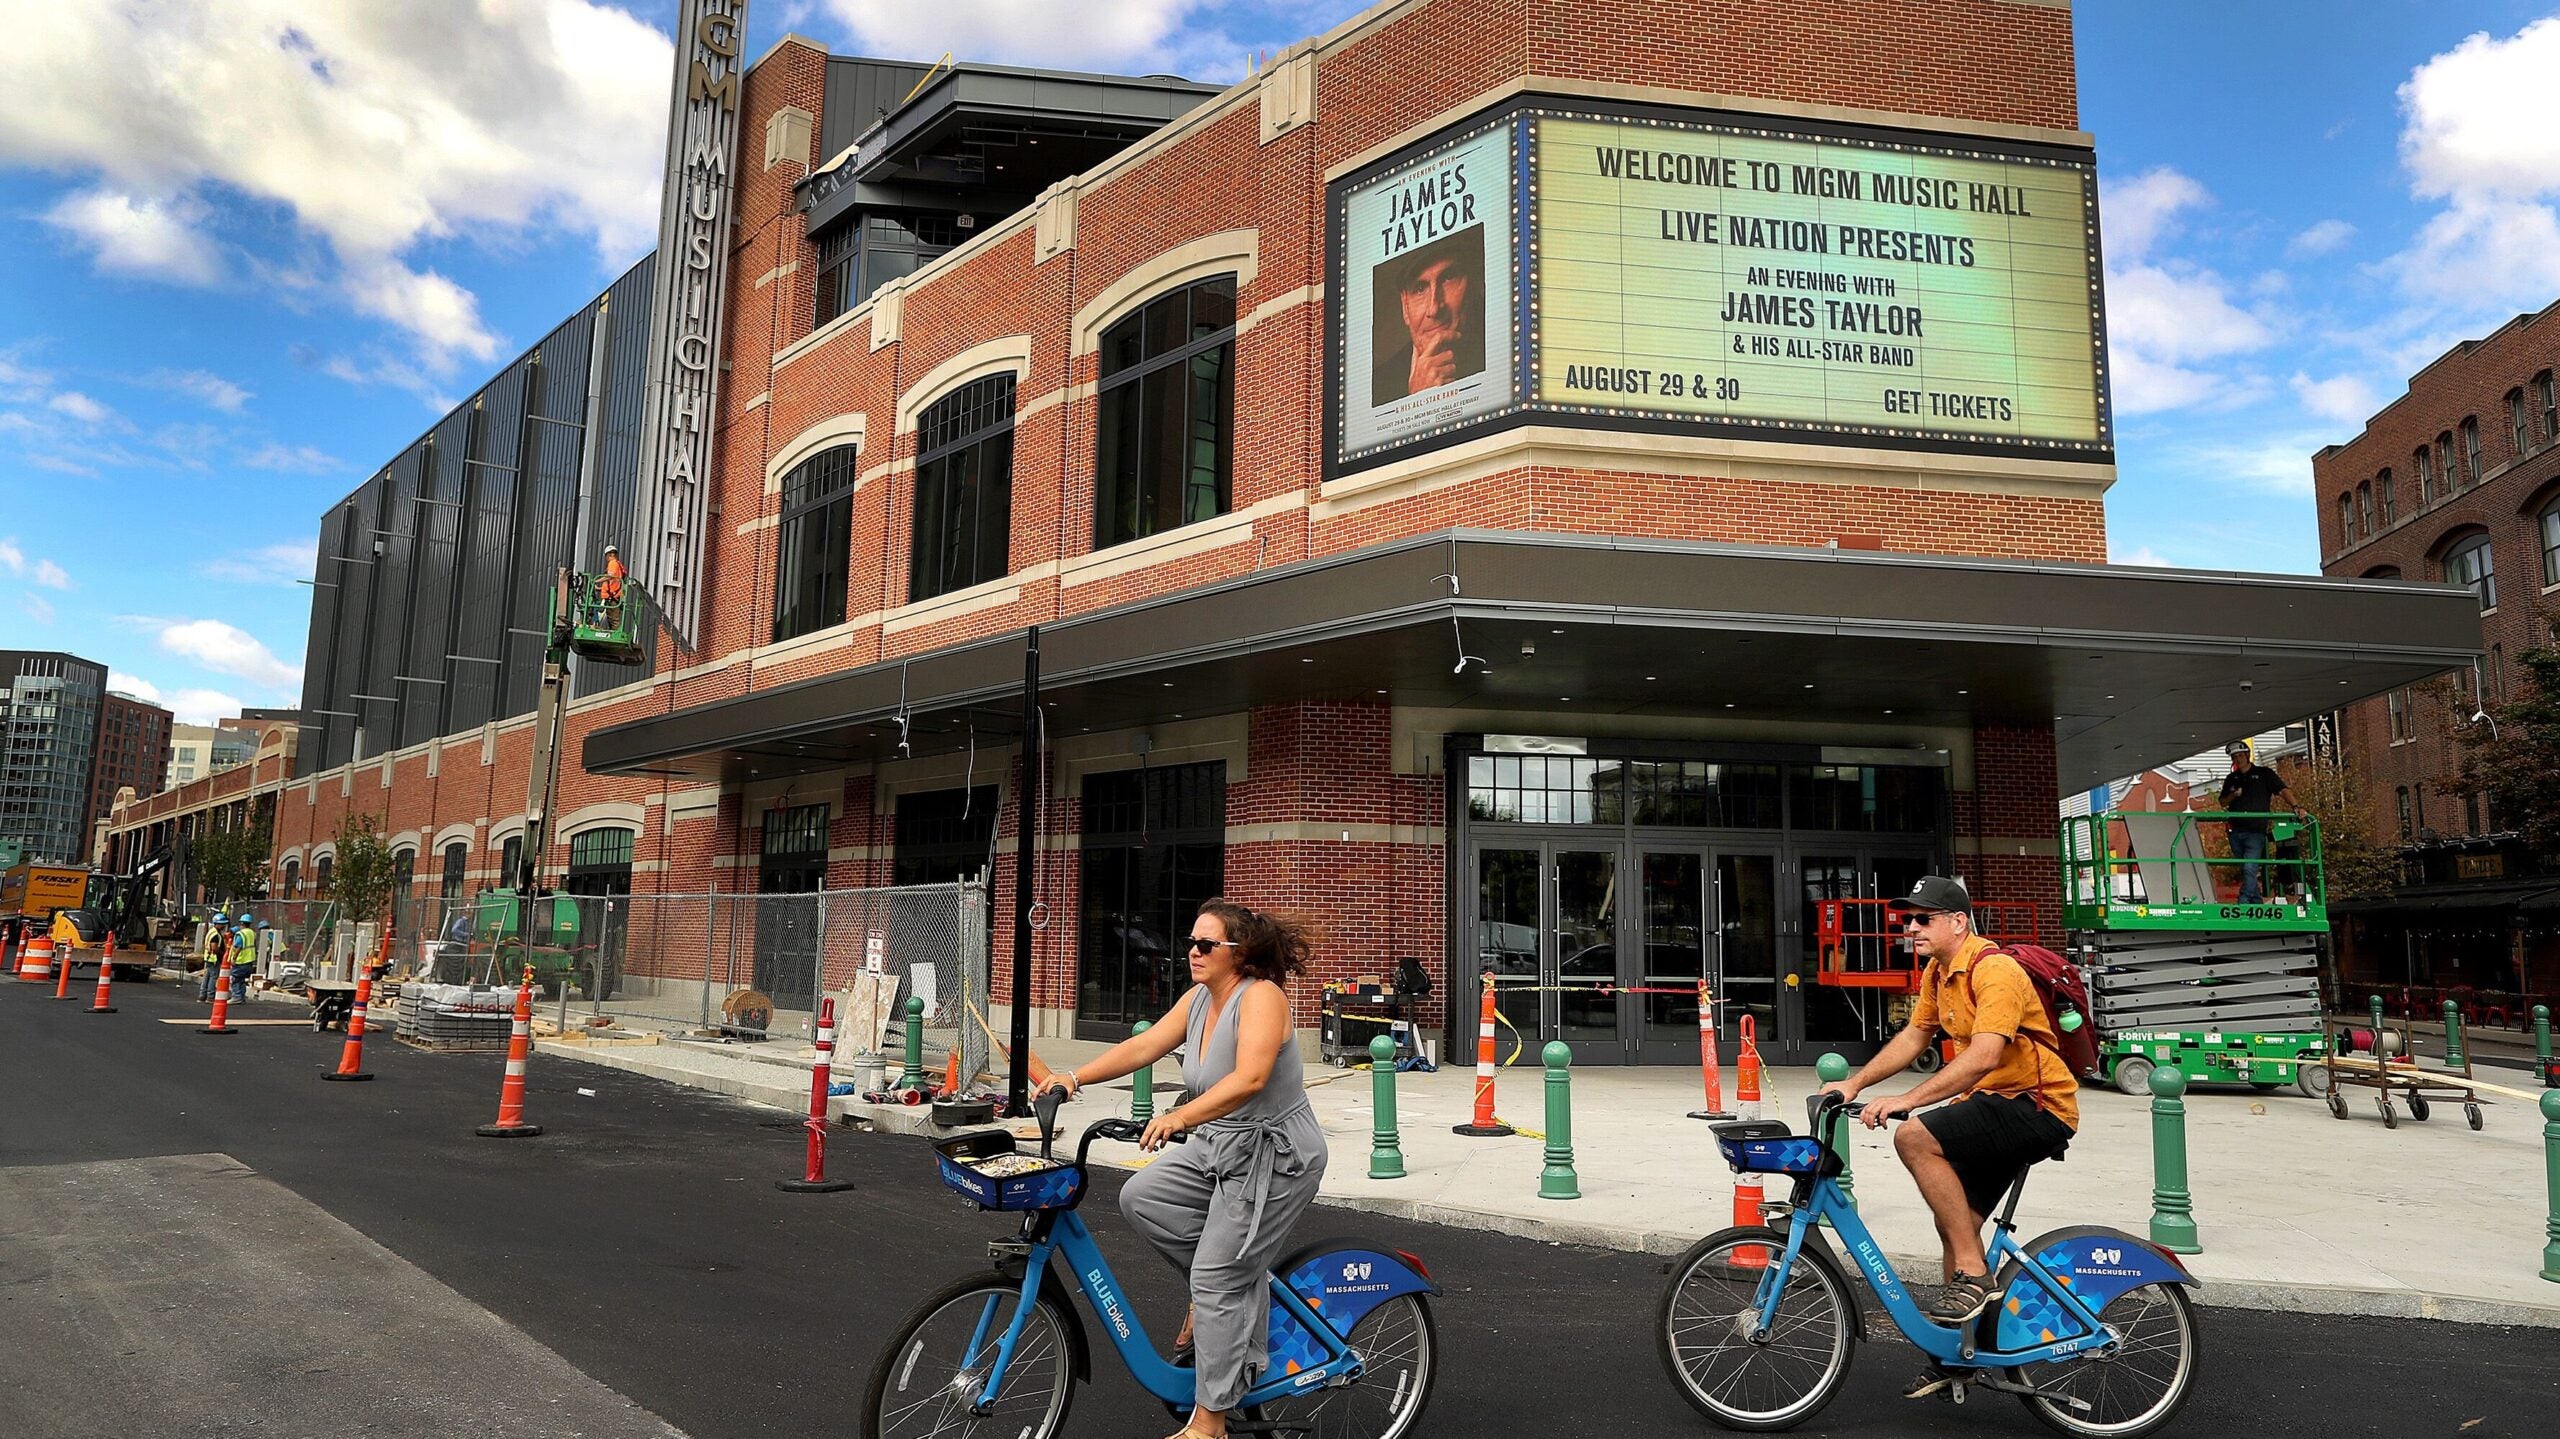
<point>1975,991</point>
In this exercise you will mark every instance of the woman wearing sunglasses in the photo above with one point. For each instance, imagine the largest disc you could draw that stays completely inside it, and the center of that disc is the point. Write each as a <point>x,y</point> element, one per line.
<point>1220,1209</point>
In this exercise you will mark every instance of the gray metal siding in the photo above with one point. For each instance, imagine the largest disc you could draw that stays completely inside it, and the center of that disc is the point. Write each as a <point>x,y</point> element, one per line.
<point>480,613</point>
<point>859,92</point>
<point>615,503</point>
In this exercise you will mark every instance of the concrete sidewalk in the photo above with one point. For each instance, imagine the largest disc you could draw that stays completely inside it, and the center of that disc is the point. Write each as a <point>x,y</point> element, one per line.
<point>2295,1210</point>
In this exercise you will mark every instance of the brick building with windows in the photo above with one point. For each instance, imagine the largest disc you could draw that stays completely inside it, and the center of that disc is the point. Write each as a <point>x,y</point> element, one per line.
<point>133,750</point>
<point>1550,490</point>
<point>2457,481</point>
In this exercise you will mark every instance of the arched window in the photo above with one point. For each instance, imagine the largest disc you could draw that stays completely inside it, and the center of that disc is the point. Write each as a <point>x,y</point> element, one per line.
<point>2471,449</point>
<point>2346,522</point>
<point>320,874</point>
<point>2548,522</point>
<point>457,857</point>
<point>2401,803</point>
<point>292,877</point>
<point>2444,462</point>
<point>404,871</point>
<point>964,489</point>
<point>815,544</point>
<point>2547,395</point>
<point>1166,444</point>
<point>2382,487</point>
<point>599,862</point>
<point>2469,563</point>
<point>511,862</point>
<point>2518,424</point>
<point>2425,471</point>
<point>2364,510</point>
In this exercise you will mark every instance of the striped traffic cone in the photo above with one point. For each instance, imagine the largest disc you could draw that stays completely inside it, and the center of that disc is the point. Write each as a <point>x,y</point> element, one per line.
<point>106,966</point>
<point>1707,1057</point>
<point>1747,1199</point>
<point>511,1123</point>
<point>1746,1069</point>
<point>62,977</point>
<point>351,1058</point>
<point>814,1180</point>
<point>221,1021</point>
<point>1484,1124</point>
<point>36,965</point>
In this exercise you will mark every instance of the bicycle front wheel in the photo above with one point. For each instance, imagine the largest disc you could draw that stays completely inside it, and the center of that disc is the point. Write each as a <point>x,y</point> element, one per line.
<point>2131,1389</point>
<point>1399,1357</point>
<point>1709,1318</point>
<point>930,1378</point>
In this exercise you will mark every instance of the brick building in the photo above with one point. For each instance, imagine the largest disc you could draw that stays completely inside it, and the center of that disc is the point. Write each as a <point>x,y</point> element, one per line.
<point>1556,490</point>
<point>133,750</point>
<point>2457,481</point>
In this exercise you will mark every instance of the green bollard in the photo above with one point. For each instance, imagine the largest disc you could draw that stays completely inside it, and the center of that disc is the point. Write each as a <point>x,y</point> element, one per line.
<point>2551,1181</point>
<point>1142,1085</point>
<point>2378,1055</point>
<point>2452,1035</point>
<point>1557,1180</point>
<point>2173,1225</point>
<point>1386,1151</point>
<point>1831,1068</point>
<point>913,1077</point>
<point>2542,1047</point>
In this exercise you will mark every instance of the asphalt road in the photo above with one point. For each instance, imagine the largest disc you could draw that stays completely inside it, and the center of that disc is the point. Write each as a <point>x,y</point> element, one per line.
<point>637,1254</point>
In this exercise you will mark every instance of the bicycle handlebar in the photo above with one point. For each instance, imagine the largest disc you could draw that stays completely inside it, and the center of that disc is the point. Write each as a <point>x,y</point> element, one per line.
<point>1045,1109</point>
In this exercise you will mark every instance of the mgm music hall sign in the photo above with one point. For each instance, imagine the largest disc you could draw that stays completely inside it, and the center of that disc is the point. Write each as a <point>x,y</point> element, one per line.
<point>1641,268</point>
<point>685,310</point>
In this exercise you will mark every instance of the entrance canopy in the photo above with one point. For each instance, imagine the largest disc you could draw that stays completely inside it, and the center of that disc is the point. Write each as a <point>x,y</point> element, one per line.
<point>2131,667</point>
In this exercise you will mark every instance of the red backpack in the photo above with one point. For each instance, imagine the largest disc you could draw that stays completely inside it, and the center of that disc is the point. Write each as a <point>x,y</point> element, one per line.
<point>2058,985</point>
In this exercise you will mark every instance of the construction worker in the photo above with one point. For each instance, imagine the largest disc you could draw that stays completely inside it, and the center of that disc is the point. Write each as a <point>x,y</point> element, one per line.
<point>217,953</point>
<point>244,955</point>
<point>609,588</point>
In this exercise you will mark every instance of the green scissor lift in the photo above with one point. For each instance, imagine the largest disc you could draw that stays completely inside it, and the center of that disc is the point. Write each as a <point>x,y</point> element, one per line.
<point>2180,972</point>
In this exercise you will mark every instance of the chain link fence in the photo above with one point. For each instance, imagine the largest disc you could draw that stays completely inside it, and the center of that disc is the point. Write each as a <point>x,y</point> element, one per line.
<point>730,965</point>
<point>298,937</point>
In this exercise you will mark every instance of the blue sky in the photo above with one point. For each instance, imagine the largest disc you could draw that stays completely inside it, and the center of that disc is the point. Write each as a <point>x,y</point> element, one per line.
<point>227,300</point>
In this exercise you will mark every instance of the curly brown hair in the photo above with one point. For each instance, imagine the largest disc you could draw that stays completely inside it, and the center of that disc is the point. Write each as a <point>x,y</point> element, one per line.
<point>1268,946</point>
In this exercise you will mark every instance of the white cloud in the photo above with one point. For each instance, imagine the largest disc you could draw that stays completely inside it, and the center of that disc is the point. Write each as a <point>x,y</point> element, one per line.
<point>202,386</point>
<point>156,238</point>
<point>292,459</point>
<point>39,570</point>
<point>267,565</point>
<point>2476,137</point>
<point>79,407</point>
<point>228,650</point>
<point>37,608</point>
<point>2343,398</point>
<point>134,685</point>
<point>2271,464</point>
<point>2138,555</point>
<point>2320,239</point>
<point>191,706</point>
<point>2168,319</point>
<point>1126,36</point>
<point>376,126</point>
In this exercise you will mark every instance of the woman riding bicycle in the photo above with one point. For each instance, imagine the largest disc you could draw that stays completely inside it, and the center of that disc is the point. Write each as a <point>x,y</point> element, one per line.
<point>1221,1209</point>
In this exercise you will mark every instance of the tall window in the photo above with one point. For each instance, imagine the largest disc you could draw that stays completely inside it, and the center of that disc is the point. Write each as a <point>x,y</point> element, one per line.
<point>599,862</point>
<point>2444,462</point>
<point>1153,847</point>
<point>457,856</point>
<point>1168,414</point>
<point>292,878</point>
<point>2471,450</point>
<point>943,835</point>
<point>2547,395</point>
<point>511,862</point>
<point>2498,673</point>
<point>320,874</point>
<point>838,247</point>
<point>2549,522</point>
<point>2383,488</point>
<point>2518,424</point>
<point>2425,471</point>
<point>2399,703</point>
<point>858,257</point>
<point>2346,521</point>
<point>2468,563</point>
<point>817,539</point>
<point>964,489</point>
<point>404,872</point>
<point>2402,804</point>
<point>2364,509</point>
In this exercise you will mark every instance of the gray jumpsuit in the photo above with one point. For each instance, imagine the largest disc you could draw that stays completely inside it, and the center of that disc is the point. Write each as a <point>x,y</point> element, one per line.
<point>1220,1207</point>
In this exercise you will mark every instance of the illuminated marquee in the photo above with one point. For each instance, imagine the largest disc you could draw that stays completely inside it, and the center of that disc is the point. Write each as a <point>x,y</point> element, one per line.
<point>1693,273</point>
<point>685,310</point>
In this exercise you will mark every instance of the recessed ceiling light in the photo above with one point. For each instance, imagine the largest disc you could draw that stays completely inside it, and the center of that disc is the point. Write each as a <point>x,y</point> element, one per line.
<point>1964,692</point>
<point>1306,661</point>
<point>1728,704</point>
<point>1808,686</point>
<point>1648,676</point>
<point>1566,699</point>
<point>1555,632</point>
<point>1888,711</point>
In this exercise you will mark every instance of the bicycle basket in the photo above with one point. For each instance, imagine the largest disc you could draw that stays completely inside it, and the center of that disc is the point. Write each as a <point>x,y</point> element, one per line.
<point>1764,1146</point>
<point>990,1169</point>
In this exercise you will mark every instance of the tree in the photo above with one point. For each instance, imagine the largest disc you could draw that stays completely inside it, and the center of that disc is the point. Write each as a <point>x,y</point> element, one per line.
<point>2513,762</point>
<point>232,863</point>
<point>2357,861</point>
<point>364,876</point>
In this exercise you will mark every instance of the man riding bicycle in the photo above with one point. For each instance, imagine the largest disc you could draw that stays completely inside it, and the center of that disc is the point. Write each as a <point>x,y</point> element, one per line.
<point>2015,1099</point>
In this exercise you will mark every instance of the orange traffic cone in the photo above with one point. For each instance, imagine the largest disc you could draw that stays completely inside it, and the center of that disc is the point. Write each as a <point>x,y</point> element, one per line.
<point>1484,1125</point>
<point>511,1123</point>
<point>106,966</point>
<point>1747,1198</point>
<point>221,1021</point>
<point>62,977</point>
<point>1746,1068</point>
<point>950,1073</point>
<point>351,1058</point>
<point>1707,1057</point>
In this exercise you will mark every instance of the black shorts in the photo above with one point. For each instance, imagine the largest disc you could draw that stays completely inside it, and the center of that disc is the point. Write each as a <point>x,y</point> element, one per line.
<point>1990,1140</point>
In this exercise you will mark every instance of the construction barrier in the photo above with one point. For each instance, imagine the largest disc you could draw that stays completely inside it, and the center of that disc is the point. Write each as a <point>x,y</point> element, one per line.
<point>1748,1196</point>
<point>1746,1068</point>
<point>106,967</point>
<point>1484,1125</point>
<point>220,1023</point>
<point>510,1124</point>
<point>1707,1057</point>
<point>815,1180</point>
<point>35,966</point>
<point>351,1056</point>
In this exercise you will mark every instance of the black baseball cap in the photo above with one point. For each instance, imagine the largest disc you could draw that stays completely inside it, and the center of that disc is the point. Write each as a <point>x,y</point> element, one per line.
<point>1936,894</point>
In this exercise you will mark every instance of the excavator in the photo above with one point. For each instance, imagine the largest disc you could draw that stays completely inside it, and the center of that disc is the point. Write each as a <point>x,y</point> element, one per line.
<point>124,905</point>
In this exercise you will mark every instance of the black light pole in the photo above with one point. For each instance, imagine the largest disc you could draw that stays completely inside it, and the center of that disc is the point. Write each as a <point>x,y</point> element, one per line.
<point>1017,1093</point>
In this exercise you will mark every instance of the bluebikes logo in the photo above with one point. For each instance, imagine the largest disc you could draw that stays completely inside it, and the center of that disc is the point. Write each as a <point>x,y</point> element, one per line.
<point>1107,1299</point>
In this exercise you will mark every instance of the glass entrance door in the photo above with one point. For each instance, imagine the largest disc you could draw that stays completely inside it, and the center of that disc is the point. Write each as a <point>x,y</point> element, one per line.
<point>1674,943</point>
<point>1587,963</point>
<point>1746,952</point>
<point>1853,1019</point>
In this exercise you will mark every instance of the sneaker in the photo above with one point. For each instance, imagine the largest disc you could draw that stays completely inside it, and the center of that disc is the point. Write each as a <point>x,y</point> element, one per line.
<point>1961,1299</point>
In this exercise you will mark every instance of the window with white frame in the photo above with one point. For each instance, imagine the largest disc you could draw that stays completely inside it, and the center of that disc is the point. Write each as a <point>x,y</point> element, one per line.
<point>2470,563</point>
<point>2471,450</point>
<point>2382,488</point>
<point>2399,702</point>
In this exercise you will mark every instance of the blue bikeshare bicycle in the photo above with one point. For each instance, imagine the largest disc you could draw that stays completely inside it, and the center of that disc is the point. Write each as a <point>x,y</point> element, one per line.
<point>2090,1327</point>
<point>1353,1349</point>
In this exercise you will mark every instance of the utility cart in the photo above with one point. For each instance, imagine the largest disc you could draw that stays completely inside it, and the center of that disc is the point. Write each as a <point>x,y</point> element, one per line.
<point>2182,973</point>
